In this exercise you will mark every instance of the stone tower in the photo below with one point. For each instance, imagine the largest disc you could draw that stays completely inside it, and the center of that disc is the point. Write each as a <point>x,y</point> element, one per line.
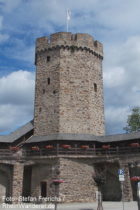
<point>69,85</point>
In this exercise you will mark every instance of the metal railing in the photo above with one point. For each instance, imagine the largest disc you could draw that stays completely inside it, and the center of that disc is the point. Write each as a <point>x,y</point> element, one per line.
<point>57,150</point>
<point>79,151</point>
<point>5,152</point>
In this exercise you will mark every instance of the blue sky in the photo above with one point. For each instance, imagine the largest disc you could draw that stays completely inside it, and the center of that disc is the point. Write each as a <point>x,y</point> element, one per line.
<point>114,23</point>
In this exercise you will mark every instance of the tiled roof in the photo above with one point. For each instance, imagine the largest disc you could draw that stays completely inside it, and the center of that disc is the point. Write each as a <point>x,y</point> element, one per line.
<point>68,137</point>
<point>17,134</point>
<point>85,137</point>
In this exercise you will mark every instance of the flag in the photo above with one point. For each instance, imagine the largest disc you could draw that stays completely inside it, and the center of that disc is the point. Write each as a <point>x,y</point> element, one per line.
<point>68,14</point>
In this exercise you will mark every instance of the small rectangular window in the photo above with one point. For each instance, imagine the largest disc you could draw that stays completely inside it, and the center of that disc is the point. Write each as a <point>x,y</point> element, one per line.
<point>48,58</point>
<point>95,87</point>
<point>49,81</point>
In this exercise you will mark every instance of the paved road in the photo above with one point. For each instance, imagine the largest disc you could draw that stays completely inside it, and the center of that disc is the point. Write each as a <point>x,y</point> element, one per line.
<point>106,206</point>
<point>78,206</point>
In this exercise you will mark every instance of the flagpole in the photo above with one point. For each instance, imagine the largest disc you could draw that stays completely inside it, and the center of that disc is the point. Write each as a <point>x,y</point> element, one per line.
<point>68,18</point>
<point>67,21</point>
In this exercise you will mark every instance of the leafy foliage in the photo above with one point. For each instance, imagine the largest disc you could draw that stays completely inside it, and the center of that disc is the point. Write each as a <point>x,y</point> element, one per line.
<point>133,121</point>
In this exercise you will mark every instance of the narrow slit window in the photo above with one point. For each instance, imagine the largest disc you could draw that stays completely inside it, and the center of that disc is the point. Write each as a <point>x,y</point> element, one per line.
<point>49,81</point>
<point>48,58</point>
<point>40,109</point>
<point>43,91</point>
<point>95,87</point>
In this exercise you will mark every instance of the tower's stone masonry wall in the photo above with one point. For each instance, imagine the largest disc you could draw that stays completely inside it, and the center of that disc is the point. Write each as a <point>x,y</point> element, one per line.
<point>80,107</point>
<point>68,39</point>
<point>46,116</point>
<point>70,103</point>
<point>77,175</point>
<point>79,184</point>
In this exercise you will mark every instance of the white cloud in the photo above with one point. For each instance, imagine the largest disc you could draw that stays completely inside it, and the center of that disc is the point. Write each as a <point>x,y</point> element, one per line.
<point>107,19</point>
<point>8,5</point>
<point>121,79</point>
<point>120,14</point>
<point>114,77</point>
<point>45,15</point>
<point>116,116</point>
<point>16,99</point>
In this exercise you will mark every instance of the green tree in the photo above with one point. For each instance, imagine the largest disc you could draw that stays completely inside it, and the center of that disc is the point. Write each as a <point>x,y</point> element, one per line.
<point>133,120</point>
